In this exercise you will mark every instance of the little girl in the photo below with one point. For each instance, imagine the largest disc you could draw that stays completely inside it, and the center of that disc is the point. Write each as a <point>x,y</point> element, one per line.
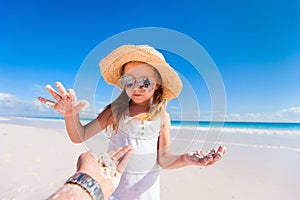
<point>137,118</point>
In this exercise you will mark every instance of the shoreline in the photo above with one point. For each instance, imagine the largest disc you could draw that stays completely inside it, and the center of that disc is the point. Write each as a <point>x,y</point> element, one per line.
<point>297,123</point>
<point>227,126</point>
<point>256,138</point>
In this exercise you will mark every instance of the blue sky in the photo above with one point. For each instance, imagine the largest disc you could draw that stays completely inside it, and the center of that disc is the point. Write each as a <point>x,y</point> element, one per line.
<point>255,45</point>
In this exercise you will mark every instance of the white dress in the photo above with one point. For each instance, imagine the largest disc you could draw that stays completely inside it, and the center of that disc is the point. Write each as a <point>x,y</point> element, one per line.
<point>141,180</point>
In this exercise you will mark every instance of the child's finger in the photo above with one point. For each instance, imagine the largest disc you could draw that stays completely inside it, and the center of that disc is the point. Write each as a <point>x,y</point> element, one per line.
<point>125,160</point>
<point>221,150</point>
<point>47,102</point>
<point>42,100</point>
<point>206,160</point>
<point>118,155</point>
<point>114,151</point>
<point>218,156</point>
<point>54,94</point>
<point>220,153</point>
<point>79,106</point>
<point>72,95</point>
<point>62,90</point>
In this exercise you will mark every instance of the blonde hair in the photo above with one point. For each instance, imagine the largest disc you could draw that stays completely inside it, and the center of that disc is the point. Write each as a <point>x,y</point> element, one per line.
<point>119,106</point>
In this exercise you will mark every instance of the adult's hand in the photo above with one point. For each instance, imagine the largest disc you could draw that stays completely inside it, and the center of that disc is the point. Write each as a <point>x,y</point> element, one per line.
<point>65,100</point>
<point>107,176</point>
<point>96,167</point>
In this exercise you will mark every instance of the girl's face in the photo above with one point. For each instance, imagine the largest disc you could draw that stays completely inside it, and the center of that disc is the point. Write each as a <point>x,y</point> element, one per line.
<point>140,81</point>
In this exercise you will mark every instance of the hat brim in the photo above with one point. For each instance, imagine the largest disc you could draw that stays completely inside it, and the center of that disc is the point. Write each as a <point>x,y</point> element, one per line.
<point>111,66</point>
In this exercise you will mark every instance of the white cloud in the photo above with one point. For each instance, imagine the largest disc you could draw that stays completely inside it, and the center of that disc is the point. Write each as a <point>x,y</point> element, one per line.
<point>6,96</point>
<point>88,111</point>
<point>39,89</point>
<point>291,110</point>
<point>291,114</point>
<point>8,102</point>
<point>40,107</point>
<point>233,117</point>
<point>11,105</point>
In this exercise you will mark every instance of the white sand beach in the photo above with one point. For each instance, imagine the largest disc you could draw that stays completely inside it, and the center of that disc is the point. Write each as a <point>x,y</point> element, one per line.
<point>36,157</point>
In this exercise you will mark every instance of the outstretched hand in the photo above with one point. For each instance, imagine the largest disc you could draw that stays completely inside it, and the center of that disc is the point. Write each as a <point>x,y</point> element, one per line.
<point>106,169</point>
<point>65,101</point>
<point>201,159</point>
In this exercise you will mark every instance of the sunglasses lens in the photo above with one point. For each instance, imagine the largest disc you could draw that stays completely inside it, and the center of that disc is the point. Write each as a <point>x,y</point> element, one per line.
<point>127,82</point>
<point>146,84</point>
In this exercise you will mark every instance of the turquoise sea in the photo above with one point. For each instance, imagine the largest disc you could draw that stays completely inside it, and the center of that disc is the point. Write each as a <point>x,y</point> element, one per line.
<point>242,125</point>
<point>276,135</point>
<point>253,125</point>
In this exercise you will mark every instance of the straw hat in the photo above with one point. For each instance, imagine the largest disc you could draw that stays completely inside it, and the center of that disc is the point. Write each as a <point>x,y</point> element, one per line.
<point>110,67</point>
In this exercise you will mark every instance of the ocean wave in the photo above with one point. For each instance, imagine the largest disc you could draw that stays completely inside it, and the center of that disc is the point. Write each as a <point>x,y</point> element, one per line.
<point>252,144</point>
<point>226,130</point>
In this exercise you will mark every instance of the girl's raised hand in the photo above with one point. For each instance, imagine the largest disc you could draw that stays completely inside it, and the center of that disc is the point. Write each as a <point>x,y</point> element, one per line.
<point>201,159</point>
<point>65,101</point>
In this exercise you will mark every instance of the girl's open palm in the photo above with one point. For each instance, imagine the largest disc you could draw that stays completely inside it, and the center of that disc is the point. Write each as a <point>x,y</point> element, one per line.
<point>201,159</point>
<point>65,100</point>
